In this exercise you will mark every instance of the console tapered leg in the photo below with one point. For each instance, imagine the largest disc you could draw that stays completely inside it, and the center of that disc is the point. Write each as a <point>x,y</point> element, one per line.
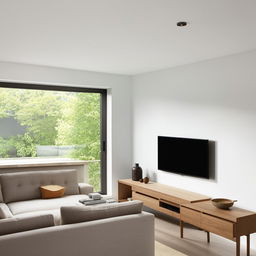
<point>181,229</point>
<point>248,245</point>
<point>208,237</point>
<point>238,246</point>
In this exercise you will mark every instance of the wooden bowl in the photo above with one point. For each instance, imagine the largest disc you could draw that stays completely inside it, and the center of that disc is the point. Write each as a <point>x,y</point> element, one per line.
<point>223,203</point>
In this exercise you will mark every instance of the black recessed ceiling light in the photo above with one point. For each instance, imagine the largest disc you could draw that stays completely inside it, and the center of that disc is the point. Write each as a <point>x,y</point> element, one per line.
<point>182,23</point>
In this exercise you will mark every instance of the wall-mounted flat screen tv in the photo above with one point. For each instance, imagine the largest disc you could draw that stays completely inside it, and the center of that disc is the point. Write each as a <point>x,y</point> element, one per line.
<point>184,156</point>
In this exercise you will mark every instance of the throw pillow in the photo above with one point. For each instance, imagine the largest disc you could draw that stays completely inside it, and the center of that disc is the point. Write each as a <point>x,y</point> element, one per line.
<point>52,191</point>
<point>76,214</point>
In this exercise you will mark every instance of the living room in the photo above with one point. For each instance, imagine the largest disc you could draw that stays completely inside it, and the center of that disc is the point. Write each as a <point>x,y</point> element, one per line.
<point>191,81</point>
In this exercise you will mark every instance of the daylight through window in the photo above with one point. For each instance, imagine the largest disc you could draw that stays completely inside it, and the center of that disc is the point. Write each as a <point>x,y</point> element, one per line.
<point>54,123</point>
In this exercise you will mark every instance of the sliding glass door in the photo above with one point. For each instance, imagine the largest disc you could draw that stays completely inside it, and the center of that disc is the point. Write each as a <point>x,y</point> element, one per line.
<point>46,122</point>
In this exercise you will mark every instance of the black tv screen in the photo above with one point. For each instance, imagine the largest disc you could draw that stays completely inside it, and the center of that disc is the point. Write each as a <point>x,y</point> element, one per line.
<point>184,156</point>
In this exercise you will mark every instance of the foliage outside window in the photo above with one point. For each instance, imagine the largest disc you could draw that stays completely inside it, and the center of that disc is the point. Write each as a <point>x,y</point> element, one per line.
<point>69,120</point>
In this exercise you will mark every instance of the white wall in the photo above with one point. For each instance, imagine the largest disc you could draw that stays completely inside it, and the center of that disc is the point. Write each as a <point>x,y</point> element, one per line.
<point>119,107</point>
<point>213,100</point>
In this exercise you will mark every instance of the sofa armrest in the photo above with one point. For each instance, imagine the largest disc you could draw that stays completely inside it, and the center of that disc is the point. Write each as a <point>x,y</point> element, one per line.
<point>1,195</point>
<point>85,188</point>
<point>5,211</point>
<point>14,225</point>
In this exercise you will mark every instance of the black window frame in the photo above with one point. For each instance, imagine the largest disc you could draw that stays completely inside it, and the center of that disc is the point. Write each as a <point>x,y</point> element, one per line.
<point>103,108</point>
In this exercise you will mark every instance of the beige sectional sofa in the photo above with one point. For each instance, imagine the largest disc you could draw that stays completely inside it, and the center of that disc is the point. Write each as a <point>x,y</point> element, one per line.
<point>21,197</point>
<point>30,229</point>
<point>129,235</point>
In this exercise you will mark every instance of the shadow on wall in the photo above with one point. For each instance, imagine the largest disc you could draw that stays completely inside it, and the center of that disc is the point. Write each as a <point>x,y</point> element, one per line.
<point>212,160</point>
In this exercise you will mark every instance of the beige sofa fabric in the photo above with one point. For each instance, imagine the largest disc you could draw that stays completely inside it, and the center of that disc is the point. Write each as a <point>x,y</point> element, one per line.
<point>5,211</point>
<point>85,188</point>
<point>13,225</point>
<point>25,185</point>
<point>55,213</point>
<point>131,235</point>
<point>77,214</point>
<point>45,204</point>
<point>1,195</point>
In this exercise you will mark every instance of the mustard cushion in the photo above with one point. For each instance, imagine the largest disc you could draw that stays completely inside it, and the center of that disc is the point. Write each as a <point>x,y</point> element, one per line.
<point>51,191</point>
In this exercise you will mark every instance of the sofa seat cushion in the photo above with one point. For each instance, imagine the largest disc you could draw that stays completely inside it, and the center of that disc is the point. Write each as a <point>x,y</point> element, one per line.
<point>44,204</point>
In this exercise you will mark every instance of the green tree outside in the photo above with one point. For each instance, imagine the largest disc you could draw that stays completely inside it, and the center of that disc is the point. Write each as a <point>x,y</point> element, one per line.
<point>54,118</point>
<point>80,125</point>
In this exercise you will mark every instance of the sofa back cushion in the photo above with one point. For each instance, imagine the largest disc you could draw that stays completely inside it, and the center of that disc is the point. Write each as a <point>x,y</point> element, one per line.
<point>26,185</point>
<point>76,214</point>
<point>14,225</point>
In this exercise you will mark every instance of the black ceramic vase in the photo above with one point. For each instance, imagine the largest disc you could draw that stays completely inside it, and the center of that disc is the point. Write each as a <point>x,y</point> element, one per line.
<point>136,172</point>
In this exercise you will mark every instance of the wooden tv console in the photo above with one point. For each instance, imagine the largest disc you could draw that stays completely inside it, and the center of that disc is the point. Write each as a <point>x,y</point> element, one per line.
<point>157,196</point>
<point>231,224</point>
<point>192,208</point>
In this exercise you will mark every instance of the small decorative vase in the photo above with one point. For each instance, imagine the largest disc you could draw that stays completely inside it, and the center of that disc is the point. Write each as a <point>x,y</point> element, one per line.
<point>136,172</point>
<point>146,180</point>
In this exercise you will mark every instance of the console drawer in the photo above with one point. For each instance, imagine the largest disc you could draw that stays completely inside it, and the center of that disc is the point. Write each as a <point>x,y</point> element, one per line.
<point>145,191</point>
<point>148,201</point>
<point>190,216</point>
<point>218,226</point>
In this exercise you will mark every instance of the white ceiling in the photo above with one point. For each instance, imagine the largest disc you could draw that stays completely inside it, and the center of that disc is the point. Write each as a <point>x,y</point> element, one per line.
<point>124,36</point>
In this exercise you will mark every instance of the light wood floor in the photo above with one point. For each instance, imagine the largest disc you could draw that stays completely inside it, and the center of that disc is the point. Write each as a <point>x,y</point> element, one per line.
<point>163,250</point>
<point>194,242</point>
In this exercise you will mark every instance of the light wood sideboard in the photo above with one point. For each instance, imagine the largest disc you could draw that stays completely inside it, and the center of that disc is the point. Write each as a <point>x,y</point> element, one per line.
<point>231,224</point>
<point>157,196</point>
<point>192,208</point>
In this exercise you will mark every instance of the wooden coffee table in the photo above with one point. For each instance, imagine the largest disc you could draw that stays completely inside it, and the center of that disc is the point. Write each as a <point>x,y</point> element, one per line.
<point>231,224</point>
